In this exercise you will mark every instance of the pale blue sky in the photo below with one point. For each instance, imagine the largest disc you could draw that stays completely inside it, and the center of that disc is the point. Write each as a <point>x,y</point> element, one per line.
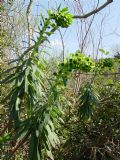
<point>110,30</point>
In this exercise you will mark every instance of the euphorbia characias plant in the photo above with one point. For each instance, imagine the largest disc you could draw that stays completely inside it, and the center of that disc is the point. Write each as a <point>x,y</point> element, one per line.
<point>35,109</point>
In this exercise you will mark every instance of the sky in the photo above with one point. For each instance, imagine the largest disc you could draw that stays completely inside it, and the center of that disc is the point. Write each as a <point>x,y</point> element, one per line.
<point>110,32</point>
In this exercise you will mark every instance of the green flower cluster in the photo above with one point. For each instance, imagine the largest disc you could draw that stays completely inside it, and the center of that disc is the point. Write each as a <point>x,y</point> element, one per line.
<point>79,61</point>
<point>62,17</point>
<point>76,62</point>
<point>107,62</point>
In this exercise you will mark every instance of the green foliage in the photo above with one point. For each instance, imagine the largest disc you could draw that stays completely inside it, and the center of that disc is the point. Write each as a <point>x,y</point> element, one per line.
<point>107,62</point>
<point>3,139</point>
<point>103,51</point>
<point>88,100</point>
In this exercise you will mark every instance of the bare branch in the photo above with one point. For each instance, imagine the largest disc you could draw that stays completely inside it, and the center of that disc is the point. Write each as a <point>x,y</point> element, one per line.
<point>93,11</point>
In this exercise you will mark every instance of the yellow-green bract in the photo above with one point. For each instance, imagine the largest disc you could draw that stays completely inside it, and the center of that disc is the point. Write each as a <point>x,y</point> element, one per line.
<point>62,17</point>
